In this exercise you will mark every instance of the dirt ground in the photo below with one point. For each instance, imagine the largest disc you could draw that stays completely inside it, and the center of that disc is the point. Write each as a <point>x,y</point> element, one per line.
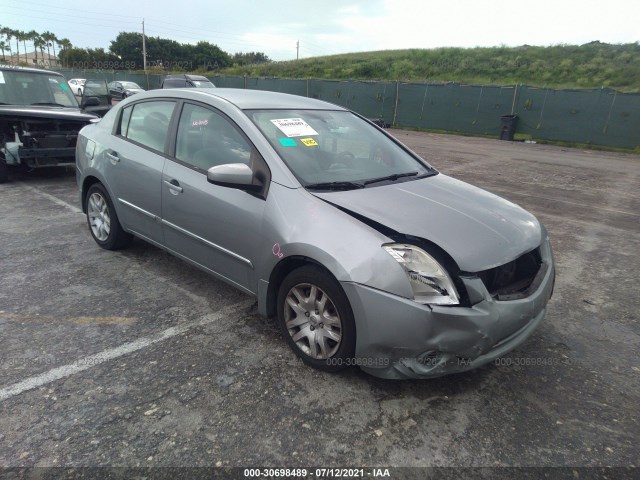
<point>134,358</point>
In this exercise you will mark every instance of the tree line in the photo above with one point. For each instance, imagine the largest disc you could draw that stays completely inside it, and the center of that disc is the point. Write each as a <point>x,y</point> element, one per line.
<point>126,52</point>
<point>39,41</point>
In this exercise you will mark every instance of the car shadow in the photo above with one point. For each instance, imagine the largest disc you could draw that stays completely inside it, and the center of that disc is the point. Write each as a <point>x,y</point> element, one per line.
<point>20,174</point>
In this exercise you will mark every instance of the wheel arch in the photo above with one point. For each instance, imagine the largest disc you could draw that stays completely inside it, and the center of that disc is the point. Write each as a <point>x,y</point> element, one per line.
<point>86,185</point>
<point>279,273</point>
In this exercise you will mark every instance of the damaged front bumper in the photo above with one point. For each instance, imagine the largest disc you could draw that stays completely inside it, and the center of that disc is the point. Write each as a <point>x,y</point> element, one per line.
<point>399,338</point>
<point>40,157</point>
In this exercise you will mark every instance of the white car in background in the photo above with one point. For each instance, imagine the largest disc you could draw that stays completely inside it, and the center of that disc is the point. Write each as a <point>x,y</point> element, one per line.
<point>77,85</point>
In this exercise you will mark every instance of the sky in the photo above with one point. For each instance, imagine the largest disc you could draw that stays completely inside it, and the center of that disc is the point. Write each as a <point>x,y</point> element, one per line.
<point>325,27</point>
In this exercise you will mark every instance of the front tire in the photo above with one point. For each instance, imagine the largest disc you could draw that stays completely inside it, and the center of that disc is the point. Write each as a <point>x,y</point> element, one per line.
<point>4,170</point>
<point>316,319</point>
<point>103,221</point>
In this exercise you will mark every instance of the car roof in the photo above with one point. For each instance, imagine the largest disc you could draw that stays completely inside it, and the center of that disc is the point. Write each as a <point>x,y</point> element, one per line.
<point>260,99</point>
<point>12,68</point>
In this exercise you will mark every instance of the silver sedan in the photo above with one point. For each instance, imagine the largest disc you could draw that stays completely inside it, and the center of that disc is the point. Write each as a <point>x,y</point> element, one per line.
<point>367,255</point>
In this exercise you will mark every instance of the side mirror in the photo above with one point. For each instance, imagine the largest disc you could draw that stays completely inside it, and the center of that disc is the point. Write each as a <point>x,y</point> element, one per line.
<point>234,175</point>
<point>90,102</point>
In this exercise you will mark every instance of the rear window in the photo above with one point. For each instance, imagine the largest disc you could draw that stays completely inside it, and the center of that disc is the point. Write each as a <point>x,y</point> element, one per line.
<point>202,84</point>
<point>174,83</point>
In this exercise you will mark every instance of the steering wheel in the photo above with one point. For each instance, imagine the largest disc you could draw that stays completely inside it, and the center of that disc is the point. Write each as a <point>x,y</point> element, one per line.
<point>346,158</point>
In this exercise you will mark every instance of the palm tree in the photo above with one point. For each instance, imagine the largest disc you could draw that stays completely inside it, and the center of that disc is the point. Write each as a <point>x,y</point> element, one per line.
<point>23,37</point>
<point>16,34</point>
<point>50,38</point>
<point>34,37</point>
<point>39,43</point>
<point>64,43</point>
<point>3,43</point>
<point>53,44</point>
<point>10,33</point>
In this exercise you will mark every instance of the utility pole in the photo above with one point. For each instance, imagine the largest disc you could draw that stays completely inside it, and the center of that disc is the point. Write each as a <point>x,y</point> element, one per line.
<point>144,50</point>
<point>297,49</point>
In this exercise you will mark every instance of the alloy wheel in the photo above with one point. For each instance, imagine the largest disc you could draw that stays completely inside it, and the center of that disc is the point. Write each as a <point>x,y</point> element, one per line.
<point>313,321</point>
<point>99,218</point>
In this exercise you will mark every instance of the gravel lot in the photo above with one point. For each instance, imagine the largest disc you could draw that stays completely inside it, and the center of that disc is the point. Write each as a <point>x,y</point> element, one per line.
<point>163,365</point>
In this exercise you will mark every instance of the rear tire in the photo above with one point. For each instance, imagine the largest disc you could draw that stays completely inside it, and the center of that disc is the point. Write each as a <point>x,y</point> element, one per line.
<point>103,221</point>
<point>316,319</point>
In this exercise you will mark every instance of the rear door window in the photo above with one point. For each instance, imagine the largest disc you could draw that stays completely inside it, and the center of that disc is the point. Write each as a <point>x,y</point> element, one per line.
<point>148,123</point>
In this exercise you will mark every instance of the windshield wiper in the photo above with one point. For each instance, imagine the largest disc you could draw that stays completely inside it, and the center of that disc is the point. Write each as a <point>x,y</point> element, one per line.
<point>53,104</point>
<point>335,186</point>
<point>394,177</point>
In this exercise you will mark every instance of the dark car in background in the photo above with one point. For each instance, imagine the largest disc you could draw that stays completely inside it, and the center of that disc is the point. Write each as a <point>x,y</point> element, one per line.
<point>39,119</point>
<point>119,90</point>
<point>186,81</point>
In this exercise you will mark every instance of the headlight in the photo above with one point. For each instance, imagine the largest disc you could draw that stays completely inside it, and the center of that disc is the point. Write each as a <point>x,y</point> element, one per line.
<point>429,280</point>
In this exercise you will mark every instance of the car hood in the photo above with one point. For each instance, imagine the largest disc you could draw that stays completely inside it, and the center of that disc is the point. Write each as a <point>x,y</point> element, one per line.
<point>478,229</point>
<point>60,113</point>
<point>134,90</point>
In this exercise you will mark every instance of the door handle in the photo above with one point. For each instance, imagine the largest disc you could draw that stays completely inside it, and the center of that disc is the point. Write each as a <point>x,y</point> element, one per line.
<point>173,185</point>
<point>113,157</point>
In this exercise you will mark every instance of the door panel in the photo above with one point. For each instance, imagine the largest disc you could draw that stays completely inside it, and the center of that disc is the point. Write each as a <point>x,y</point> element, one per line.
<point>135,179</point>
<point>134,170</point>
<point>217,227</point>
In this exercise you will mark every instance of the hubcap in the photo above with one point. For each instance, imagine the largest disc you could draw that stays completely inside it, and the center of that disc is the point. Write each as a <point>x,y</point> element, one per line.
<point>313,321</point>
<point>99,218</point>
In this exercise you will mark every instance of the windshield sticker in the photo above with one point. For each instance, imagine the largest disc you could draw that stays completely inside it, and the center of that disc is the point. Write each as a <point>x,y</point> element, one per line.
<point>199,123</point>
<point>294,127</point>
<point>309,142</point>
<point>64,86</point>
<point>1,77</point>
<point>287,142</point>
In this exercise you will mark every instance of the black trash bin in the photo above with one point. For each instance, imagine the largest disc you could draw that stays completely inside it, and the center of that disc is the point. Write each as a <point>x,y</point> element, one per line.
<point>509,124</point>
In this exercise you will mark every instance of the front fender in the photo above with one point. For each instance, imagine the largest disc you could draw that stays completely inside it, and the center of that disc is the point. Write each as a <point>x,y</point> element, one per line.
<point>300,225</point>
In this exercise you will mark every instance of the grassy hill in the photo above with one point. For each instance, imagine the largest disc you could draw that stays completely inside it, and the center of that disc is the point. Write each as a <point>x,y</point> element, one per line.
<point>593,64</point>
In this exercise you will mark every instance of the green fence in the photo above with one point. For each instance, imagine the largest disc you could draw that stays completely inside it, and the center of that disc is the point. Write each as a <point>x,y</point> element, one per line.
<point>599,117</point>
<point>458,108</point>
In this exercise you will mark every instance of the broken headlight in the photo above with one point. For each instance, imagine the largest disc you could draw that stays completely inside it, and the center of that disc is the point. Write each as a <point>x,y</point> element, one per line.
<point>429,281</point>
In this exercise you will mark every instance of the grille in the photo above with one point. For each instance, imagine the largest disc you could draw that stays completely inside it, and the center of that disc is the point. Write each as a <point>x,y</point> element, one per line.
<point>512,280</point>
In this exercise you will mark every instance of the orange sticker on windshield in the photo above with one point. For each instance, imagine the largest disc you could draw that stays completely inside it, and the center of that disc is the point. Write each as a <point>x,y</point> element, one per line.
<point>309,142</point>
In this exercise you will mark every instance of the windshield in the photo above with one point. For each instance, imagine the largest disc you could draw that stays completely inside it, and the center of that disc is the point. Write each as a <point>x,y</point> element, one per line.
<point>130,85</point>
<point>335,146</point>
<point>18,87</point>
<point>95,88</point>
